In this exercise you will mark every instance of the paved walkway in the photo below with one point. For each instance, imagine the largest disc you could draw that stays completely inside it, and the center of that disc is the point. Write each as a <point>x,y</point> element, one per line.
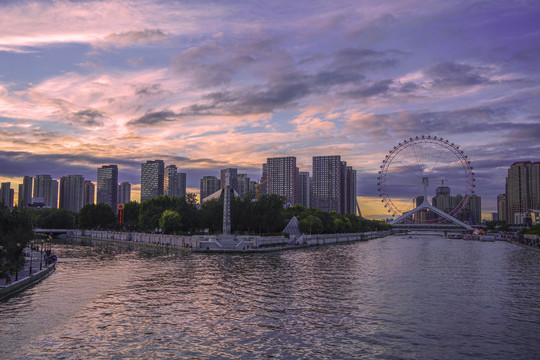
<point>25,272</point>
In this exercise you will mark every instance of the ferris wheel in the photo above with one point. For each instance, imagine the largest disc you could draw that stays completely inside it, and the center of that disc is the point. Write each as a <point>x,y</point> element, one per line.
<point>421,167</point>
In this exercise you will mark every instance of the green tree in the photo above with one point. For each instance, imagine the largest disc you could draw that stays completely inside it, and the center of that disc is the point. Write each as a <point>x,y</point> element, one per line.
<point>342,224</point>
<point>170,222</point>
<point>212,214</point>
<point>131,215</point>
<point>15,228</point>
<point>97,216</point>
<point>187,207</point>
<point>533,230</point>
<point>310,225</point>
<point>54,219</point>
<point>268,213</point>
<point>298,210</point>
<point>242,213</point>
<point>151,210</point>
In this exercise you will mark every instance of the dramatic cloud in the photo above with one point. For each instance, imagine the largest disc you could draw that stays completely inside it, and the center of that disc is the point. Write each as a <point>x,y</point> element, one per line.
<point>450,74</point>
<point>207,86</point>
<point>88,117</point>
<point>128,38</point>
<point>154,118</point>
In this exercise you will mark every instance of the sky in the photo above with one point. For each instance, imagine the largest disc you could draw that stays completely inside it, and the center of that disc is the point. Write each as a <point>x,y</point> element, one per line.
<point>209,85</point>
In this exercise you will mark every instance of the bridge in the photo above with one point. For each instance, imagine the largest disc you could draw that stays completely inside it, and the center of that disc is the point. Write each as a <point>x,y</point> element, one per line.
<point>418,227</point>
<point>50,231</point>
<point>456,225</point>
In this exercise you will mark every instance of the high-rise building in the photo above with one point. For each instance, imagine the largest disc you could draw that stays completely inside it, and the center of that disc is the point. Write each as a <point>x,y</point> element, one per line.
<point>283,177</point>
<point>107,186</point>
<point>474,205</point>
<point>46,190</point>
<point>25,192</point>
<point>5,191</point>
<point>420,216</point>
<point>170,181</point>
<point>243,184</point>
<point>174,182</point>
<point>501,207</point>
<point>54,194</point>
<point>124,192</point>
<point>182,184</point>
<point>263,188</point>
<point>89,192</point>
<point>72,192</point>
<point>233,173</point>
<point>348,189</point>
<point>303,189</point>
<point>471,212</point>
<point>350,198</point>
<point>20,201</point>
<point>534,186</point>
<point>442,199</point>
<point>522,190</point>
<point>209,185</point>
<point>326,185</point>
<point>61,192</point>
<point>152,179</point>
<point>333,185</point>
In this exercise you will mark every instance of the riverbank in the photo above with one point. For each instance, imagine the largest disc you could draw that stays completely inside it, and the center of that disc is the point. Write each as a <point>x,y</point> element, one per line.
<point>531,242</point>
<point>224,243</point>
<point>524,245</point>
<point>24,282</point>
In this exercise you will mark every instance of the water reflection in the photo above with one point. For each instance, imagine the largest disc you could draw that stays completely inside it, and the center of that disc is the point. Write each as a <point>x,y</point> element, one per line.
<point>388,298</point>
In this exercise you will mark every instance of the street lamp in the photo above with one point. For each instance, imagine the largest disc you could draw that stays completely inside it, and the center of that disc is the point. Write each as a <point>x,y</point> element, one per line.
<point>31,250</point>
<point>49,239</point>
<point>17,254</point>
<point>41,257</point>
<point>1,260</point>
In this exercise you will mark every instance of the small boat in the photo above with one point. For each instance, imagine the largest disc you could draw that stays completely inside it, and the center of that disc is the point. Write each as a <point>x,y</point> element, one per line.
<point>470,237</point>
<point>454,236</point>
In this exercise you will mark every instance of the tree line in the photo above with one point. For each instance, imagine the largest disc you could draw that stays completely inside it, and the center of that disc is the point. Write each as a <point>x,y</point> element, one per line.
<point>16,231</point>
<point>183,215</point>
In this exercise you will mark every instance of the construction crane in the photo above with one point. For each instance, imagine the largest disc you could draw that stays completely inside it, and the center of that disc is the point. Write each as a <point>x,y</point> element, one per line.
<point>258,187</point>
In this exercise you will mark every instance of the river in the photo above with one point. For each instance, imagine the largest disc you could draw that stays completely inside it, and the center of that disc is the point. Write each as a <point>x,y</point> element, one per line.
<point>392,298</point>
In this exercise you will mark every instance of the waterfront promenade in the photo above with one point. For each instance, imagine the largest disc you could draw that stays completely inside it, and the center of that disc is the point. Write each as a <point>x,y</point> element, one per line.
<point>34,270</point>
<point>225,243</point>
<point>528,241</point>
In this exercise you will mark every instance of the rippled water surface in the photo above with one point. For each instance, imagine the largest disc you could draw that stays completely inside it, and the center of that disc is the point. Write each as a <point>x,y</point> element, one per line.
<point>391,298</point>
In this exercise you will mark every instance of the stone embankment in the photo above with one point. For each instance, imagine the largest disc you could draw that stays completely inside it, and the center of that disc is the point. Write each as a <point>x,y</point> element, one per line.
<point>528,241</point>
<point>225,243</point>
<point>7,290</point>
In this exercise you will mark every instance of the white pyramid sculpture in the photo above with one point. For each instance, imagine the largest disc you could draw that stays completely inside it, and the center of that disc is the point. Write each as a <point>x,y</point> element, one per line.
<point>425,205</point>
<point>292,227</point>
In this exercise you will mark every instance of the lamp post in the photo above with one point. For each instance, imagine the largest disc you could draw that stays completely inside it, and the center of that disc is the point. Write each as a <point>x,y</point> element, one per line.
<point>31,250</point>
<point>17,254</point>
<point>1,260</point>
<point>41,257</point>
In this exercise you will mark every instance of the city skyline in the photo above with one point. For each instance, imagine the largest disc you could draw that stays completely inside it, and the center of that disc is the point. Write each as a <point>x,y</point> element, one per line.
<point>227,85</point>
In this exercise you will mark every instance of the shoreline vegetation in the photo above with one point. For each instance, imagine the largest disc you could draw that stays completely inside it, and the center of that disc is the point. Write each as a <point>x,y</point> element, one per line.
<point>184,216</point>
<point>16,233</point>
